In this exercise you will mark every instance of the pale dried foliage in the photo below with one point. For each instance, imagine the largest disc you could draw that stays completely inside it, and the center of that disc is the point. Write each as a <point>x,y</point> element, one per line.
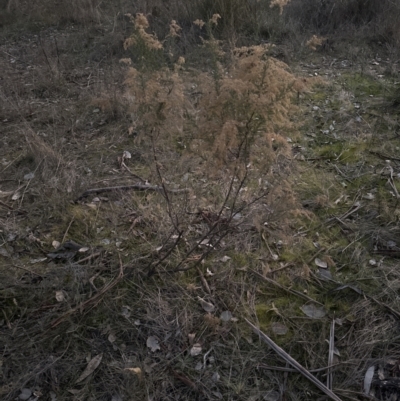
<point>253,99</point>
<point>157,98</point>
<point>314,42</point>
<point>141,23</point>
<point>174,29</point>
<point>200,23</point>
<point>279,3</point>
<point>214,19</point>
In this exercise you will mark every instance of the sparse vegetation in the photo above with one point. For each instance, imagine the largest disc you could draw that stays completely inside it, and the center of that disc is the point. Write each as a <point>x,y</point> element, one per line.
<point>167,174</point>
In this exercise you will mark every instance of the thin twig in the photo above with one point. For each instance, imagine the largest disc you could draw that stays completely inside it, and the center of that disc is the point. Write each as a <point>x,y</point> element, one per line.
<point>66,231</point>
<point>384,157</point>
<point>315,255</point>
<point>27,270</point>
<point>92,256</point>
<point>170,250</point>
<point>131,173</point>
<point>285,369</point>
<point>281,268</point>
<point>5,205</point>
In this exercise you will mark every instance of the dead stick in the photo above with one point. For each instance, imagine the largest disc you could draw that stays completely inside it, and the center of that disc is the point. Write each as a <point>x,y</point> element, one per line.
<point>203,280</point>
<point>384,157</point>
<point>293,362</point>
<point>135,187</point>
<point>281,268</point>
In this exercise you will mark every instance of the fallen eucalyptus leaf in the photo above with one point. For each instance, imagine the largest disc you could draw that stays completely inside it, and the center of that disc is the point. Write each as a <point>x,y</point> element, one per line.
<point>195,350</point>
<point>60,296</point>
<point>321,263</point>
<point>136,371</point>
<point>369,196</point>
<point>126,311</point>
<point>29,176</point>
<point>226,316</point>
<point>279,328</point>
<point>152,343</point>
<point>38,260</point>
<point>207,306</point>
<point>25,394</point>
<point>314,312</point>
<point>216,376</point>
<point>90,368</point>
<point>126,155</point>
<point>369,374</point>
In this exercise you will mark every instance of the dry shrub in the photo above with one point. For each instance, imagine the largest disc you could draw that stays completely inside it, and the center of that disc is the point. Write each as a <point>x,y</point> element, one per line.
<point>230,121</point>
<point>157,99</point>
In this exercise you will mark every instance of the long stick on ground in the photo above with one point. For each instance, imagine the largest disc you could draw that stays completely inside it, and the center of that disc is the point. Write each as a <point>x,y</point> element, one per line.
<point>293,362</point>
<point>134,187</point>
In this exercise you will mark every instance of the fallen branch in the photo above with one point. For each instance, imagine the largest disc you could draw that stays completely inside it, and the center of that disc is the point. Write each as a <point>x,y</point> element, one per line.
<point>329,379</point>
<point>134,187</point>
<point>290,370</point>
<point>293,362</point>
<point>384,157</point>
